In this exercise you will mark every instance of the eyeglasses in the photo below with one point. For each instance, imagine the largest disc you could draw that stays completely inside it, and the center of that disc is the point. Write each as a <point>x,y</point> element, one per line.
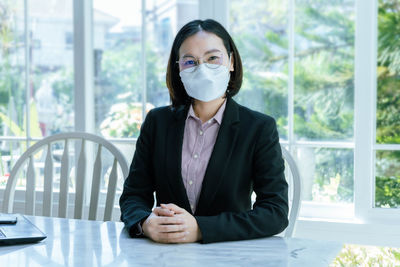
<point>189,64</point>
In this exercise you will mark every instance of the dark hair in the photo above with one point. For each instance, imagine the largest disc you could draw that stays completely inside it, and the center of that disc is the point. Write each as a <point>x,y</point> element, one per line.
<point>175,86</point>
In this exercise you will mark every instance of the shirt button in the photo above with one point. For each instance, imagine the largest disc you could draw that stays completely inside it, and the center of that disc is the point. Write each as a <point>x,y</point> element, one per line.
<point>195,156</point>
<point>201,132</point>
<point>191,206</point>
<point>190,182</point>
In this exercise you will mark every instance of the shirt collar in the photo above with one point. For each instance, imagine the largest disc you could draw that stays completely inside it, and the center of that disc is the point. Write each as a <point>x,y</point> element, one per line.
<point>218,116</point>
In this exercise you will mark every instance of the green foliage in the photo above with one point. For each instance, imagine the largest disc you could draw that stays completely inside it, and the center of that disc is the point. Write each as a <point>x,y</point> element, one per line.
<point>323,77</point>
<point>120,69</point>
<point>389,35</point>
<point>334,172</point>
<point>121,74</point>
<point>262,42</point>
<point>324,70</point>
<point>356,255</point>
<point>388,106</point>
<point>11,125</point>
<point>63,84</point>
<point>324,63</point>
<point>387,192</point>
<point>323,80</point>
<point>396,255</point>
<point>11,83</point>
<point>124,119</point>
<point>388,109</point>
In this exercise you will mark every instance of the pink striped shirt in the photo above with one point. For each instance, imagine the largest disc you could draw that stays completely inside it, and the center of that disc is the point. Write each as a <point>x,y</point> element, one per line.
<point>198,143</point>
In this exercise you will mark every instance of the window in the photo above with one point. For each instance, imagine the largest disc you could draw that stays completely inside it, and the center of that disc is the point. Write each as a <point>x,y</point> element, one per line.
<point>69,40</point>
<point>132,58</point>
<point>36,70</point>
<point>309,64</point>
<point>132,45</point>
<point>298,59</point>
<point>387,153</point>
<point>12,92</point>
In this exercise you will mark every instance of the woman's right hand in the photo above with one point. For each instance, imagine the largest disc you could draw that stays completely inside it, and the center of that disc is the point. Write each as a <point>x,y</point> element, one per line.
<point>163,227</point>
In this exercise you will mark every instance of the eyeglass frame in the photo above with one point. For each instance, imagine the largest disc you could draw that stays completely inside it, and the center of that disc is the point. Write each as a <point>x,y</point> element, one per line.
<point>197,62</point>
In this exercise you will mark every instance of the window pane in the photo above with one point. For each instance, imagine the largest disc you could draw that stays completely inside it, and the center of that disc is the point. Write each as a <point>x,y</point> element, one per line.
<point>388,102</point>
<point>118,59</point>
<point>260,33</point>
<point>117,73</point>
<point>326,174</point>
<point>12,69</point>
<point>51,56</point>
<point>387,176</point>
<point>10,152</point>
<point>324,70</point>
<point>164,20</point>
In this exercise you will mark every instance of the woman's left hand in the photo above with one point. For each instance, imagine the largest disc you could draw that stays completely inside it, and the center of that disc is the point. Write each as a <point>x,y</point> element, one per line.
<point>193,229</point>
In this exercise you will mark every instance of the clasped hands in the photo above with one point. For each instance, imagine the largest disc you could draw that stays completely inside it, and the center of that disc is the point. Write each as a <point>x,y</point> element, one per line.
<point>171,224</point>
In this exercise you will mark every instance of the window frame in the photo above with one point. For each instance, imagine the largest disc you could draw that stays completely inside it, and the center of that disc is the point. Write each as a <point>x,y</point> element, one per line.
<point>365,100</point>
<point>366,47</point>
<point>363,144</point>
<point>364,106</point>
<point>309,209</point>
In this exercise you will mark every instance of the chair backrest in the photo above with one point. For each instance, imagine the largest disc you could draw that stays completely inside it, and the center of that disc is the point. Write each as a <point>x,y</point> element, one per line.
<point>294,192</point>
<point>64,178</point>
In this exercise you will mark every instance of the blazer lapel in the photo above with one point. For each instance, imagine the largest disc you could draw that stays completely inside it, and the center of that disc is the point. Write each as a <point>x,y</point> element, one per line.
<point>174,158</point>
<point>226,139</point>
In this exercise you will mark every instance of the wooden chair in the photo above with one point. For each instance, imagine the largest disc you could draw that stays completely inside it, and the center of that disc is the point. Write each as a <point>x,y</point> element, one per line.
<point>80,177</point>
<point>294,192</point>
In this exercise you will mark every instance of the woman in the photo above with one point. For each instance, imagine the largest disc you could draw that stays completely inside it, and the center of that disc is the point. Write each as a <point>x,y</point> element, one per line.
<point>205,154</point>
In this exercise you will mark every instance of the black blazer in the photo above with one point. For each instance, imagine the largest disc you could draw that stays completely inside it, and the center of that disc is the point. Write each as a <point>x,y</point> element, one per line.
<point>246,157</point>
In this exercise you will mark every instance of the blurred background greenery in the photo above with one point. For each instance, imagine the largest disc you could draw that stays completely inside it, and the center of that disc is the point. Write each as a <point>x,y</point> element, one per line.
<point>322,78</point>
<point>323,85</point>
<point>356,255</point>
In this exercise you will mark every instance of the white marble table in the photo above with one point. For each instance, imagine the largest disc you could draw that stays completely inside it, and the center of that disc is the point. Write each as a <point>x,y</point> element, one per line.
<point>93,243</point>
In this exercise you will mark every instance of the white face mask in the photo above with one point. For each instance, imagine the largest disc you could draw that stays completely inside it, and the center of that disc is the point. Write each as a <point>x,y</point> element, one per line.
<point>206,84</point>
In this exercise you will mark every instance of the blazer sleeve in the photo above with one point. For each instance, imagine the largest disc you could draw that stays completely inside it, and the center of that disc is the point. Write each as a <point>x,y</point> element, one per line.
<point>137,198</point>
<point>270,211</point>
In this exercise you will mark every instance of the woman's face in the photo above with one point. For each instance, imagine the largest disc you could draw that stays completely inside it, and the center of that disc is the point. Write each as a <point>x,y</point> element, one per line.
<point>204,47</point>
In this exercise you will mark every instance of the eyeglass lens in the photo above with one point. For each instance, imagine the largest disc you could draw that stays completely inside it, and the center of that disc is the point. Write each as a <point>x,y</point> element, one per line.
<point>214,58</point>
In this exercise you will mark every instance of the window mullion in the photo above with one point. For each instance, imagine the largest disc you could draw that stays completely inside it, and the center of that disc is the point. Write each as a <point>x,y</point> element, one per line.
<point>364,109</point>
<point>291,51</point>
<point>206,9</point>
<point>27,72</point>
<point>83,66</point>
<point>221,12</point>
<point>83,81</point>
<point>143,59</point>
<point>215,9</point>
<point>386,146</point>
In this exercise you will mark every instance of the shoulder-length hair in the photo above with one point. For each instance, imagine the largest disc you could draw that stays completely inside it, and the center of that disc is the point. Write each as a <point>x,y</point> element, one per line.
<point>175,86</point>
